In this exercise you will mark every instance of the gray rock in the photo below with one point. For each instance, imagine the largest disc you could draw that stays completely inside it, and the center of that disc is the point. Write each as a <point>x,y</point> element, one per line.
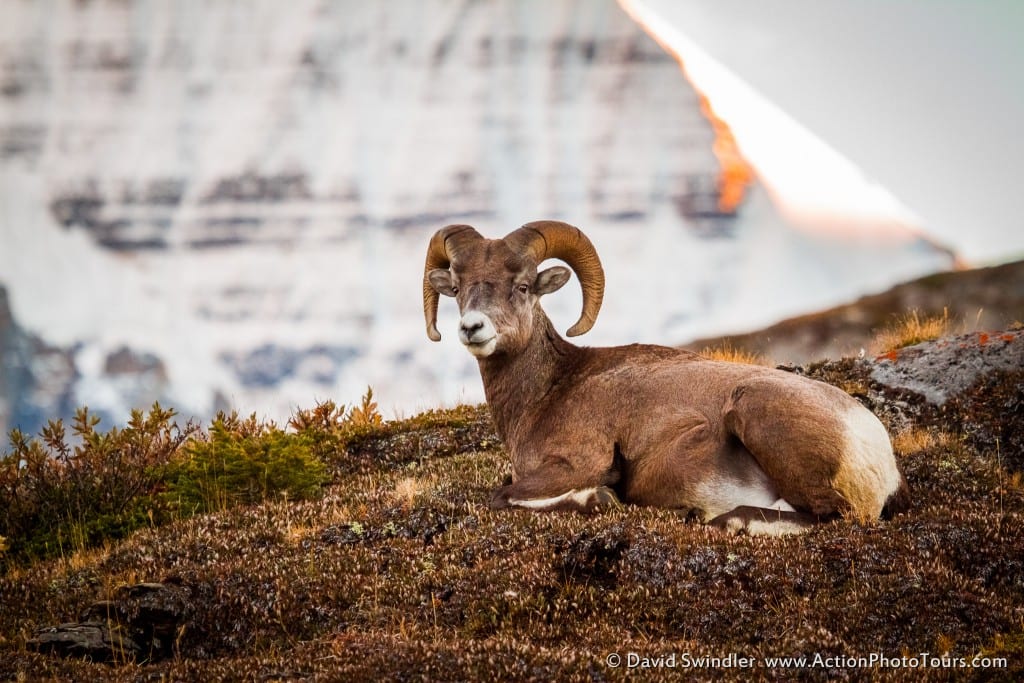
<point>141,623</point>
<point>99,641</point>
<point>942,369</point>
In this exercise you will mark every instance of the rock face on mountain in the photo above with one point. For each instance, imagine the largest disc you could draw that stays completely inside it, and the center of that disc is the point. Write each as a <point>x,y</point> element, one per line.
<point>35,378</point>
<point>227,205</point>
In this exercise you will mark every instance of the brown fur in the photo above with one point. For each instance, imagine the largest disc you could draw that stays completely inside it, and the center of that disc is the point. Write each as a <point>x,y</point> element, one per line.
<point>663,426</point>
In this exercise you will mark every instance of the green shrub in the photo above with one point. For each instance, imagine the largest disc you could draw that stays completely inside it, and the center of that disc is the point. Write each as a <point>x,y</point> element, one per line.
<point>60,498</point>
<point>241,462</point>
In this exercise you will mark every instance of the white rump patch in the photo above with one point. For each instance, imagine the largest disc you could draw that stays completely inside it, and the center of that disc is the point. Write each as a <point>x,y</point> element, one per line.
<point>869,464</point>
<point>580,497</point>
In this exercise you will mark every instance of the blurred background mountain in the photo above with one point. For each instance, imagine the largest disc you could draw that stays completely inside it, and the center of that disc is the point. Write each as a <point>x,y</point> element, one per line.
<point>226,205</point>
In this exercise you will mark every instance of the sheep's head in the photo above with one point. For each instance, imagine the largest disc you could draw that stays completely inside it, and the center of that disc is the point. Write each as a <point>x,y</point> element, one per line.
<point>497,285</point>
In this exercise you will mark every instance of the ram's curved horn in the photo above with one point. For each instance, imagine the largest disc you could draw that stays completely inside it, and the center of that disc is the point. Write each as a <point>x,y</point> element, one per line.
<point>555,239</point>
<point>441,251</point>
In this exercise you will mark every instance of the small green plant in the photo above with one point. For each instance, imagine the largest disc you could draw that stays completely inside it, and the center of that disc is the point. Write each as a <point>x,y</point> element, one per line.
<point>243,462</point>
<point>324,426</point>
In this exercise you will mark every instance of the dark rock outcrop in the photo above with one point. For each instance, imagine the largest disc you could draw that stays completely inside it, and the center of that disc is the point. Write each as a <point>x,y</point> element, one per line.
<point>98,641</point>
<point>141,623</point>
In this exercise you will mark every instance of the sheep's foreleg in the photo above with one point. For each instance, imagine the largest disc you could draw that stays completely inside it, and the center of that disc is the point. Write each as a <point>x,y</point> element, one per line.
<point>542,492</point>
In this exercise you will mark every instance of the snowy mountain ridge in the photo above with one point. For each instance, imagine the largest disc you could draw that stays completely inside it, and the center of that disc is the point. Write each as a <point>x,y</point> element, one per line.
<point>227,206</point>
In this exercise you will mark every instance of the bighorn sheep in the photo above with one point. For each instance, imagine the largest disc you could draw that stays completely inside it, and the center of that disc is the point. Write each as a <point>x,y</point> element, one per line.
<point>744,447</point>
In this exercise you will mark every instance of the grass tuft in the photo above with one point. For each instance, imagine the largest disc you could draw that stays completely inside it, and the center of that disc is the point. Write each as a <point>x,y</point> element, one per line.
<point>916,439</point>
<point>408,490</point>
<point>912,328</point>
<point>730,354</point>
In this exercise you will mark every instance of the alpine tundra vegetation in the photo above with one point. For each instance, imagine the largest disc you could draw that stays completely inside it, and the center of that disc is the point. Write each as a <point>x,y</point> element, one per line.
<point>395,564</point>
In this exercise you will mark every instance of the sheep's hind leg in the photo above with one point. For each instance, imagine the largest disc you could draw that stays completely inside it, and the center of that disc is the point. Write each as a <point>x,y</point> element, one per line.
<point>757,521</point>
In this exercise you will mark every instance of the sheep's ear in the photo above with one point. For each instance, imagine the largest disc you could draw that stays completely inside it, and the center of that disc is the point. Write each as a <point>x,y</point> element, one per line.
<point>441,281</point>
<point>551,280</point>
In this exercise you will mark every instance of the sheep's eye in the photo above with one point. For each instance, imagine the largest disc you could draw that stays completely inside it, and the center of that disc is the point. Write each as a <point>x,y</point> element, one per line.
<point>523,289</point>
<point>455,290</point>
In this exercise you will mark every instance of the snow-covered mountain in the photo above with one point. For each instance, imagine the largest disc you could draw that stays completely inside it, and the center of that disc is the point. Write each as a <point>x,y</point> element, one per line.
<point>226,205</point>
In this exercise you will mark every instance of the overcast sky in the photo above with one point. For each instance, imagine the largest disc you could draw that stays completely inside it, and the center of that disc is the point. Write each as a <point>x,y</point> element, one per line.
<point>925,97</point>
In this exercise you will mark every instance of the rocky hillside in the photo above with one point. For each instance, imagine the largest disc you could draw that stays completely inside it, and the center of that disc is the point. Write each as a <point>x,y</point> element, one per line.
<point>400,572</point>
<point>980,299</point>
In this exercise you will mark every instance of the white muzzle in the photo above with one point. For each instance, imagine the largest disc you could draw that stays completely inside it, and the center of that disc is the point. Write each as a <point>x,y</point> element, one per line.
<point>477,333</point>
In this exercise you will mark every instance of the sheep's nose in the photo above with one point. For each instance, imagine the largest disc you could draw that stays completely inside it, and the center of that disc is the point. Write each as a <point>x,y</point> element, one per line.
<point>470,328</point>
<point>477,332</point>
<point>475,328</point>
